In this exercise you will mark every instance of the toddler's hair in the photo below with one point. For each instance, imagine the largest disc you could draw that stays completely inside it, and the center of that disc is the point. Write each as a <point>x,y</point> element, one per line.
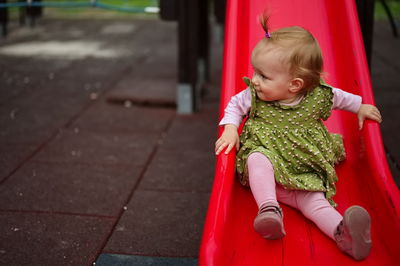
<point>301,52</point>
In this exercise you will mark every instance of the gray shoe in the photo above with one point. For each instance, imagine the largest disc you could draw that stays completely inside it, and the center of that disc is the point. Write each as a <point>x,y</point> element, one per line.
<point>353,234</point>
<point>268,222</point>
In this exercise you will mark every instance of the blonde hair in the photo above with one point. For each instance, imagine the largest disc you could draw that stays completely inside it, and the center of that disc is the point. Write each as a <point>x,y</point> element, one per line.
<point>300,49</point>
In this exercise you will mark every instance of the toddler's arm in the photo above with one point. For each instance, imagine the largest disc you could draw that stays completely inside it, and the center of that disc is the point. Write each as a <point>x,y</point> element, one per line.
<point>351,102</point>
<point>237,108</point>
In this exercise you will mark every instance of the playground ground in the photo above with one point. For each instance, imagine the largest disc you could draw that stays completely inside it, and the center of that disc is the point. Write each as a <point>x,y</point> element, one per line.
<point>86,174</point>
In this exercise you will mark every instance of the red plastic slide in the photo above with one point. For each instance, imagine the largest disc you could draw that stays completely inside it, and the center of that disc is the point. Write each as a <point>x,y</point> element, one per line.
<point>364,177</point>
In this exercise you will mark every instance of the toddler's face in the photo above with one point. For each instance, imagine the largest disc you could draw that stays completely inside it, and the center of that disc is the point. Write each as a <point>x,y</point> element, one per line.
<point>271,78</point>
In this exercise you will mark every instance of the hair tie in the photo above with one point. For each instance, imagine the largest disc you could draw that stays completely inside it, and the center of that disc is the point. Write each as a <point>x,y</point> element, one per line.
<point>267,35</point>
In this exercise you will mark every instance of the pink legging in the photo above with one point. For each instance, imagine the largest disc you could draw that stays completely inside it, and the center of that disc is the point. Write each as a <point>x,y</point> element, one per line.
<point>313,205</point>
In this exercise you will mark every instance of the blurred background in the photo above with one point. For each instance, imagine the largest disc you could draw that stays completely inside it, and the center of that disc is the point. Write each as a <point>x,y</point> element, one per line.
<point>108,118</point>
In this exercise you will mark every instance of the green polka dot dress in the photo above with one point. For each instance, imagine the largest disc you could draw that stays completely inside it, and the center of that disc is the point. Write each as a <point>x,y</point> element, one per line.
<point>301,150</point>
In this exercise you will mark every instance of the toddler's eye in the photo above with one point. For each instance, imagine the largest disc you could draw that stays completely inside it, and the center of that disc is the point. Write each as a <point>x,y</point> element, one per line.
<point>257,73</point>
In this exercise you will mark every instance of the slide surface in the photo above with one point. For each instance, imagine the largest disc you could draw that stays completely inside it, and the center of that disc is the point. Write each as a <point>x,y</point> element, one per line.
<point>364,177</point>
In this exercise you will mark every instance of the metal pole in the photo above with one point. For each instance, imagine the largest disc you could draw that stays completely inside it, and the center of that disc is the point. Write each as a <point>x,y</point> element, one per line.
<point>365,10</point>
<point>3,19</point>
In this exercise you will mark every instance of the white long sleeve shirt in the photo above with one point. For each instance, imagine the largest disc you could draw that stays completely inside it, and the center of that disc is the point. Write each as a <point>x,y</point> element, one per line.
<point>239,105</point>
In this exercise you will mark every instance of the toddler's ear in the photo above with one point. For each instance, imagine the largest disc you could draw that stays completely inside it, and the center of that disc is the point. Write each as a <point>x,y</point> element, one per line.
<point>296,85</point>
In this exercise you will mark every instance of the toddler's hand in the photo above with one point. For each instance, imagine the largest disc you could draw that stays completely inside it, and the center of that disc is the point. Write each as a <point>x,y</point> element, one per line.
<point>370,112</point>
<point>229,139</point>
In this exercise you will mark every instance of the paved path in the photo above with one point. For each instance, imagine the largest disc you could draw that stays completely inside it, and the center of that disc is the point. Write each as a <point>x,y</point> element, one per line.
<point>82,175</point>
<point>85,177</point>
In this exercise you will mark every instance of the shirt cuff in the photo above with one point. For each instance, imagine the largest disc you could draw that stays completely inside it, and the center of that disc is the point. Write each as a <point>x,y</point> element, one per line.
<point>355,106</point>
<point>224,121</point>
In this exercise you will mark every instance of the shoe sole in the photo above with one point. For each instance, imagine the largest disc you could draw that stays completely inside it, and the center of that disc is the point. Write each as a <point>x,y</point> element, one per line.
<point>269,227</point>
<point>358,222</point>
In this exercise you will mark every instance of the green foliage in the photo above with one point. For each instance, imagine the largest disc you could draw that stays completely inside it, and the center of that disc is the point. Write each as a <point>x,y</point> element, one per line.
<point>91,12</point>
<point>394,6</point>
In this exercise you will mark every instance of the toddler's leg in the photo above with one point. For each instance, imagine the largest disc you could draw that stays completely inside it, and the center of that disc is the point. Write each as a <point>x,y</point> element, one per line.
<point>351,232</point>
<point>316,207</point>
<point>261,179</point>
<point>268,222</point>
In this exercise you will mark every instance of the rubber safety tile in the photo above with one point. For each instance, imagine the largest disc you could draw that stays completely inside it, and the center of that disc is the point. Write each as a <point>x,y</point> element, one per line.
<point>109,117</point>
<point>172,170</point>
<point>51,239</point>
<point>12,156</point>
<point>99,148</point>
<point>70,188</point>
<point>165,224</point>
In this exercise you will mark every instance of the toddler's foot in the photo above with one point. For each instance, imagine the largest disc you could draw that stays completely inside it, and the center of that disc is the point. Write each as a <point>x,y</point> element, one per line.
<point>268,222</point>
<point>353,234</point>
